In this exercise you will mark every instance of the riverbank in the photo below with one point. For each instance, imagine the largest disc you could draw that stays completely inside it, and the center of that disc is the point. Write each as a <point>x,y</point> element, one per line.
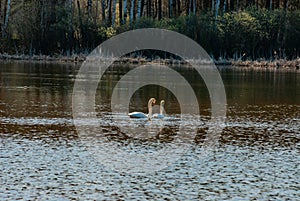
<point>275,64</point>
<point>43,58</point>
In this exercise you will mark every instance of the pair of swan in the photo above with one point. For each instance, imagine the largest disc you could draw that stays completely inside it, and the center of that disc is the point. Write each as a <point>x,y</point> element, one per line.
<point>149,115</point>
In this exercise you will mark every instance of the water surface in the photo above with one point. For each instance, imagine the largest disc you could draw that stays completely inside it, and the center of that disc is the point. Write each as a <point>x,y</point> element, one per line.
<point>42,156</point>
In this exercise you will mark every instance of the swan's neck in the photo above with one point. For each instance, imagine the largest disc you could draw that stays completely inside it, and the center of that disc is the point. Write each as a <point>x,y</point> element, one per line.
<point>161,109</point>
<point>150,108</point>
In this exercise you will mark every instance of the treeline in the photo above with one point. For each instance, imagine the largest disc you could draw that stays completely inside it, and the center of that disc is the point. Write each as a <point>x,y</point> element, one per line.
<point>238,29</point>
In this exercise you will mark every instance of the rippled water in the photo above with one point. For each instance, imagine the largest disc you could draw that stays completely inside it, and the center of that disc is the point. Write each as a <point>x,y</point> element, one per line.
<point>42,157</point>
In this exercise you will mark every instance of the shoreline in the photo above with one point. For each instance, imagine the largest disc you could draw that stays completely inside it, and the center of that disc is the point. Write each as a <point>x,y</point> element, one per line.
<point>78,59</point>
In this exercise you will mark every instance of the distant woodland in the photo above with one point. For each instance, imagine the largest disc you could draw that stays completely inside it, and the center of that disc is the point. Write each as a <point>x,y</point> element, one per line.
<point>227,29</point>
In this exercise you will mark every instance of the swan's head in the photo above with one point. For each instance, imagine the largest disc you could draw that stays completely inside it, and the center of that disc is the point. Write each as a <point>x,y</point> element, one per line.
<point>162,102</point>
<point>151,101</point>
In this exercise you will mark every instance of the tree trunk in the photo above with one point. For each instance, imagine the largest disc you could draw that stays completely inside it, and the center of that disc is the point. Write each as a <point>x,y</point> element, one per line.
<point>70,31</point>
<point>149,8</point>
<point>7,13</point>
<point>194,6</point>
<point>286,4</point>
<point>231,5</point>
<point>114,13</point>
<point>155,10</point>
<point>120,11</point>
<point>5,6</point>
<point>89,8</point>
<point>142,7</point>
<point>42,20</point>
<point>159,9</point>
<point>286,22</point>
<point>109,12</point>
<point>277,4</point>
<point>170,8</point>
<point>103,10</point>
<point>134,10</point>
<point>125,12</point>
<point>79,14</point>
<point>139,9</point>
<point>0,12</point>
<point>174,8</point>
<point>178,7</point>
<point>217,9</point>
<point>131,11</point>
<point>96,13</point>
<point>186,7</point>
<point>80,23</point>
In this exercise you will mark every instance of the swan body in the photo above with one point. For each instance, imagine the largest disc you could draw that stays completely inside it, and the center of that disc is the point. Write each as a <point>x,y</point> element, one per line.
<point>161,111</point>
<point>158,116</point>
<point>140,115</point>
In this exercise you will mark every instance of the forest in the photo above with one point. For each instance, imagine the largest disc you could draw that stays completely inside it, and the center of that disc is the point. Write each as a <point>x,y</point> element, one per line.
<point>226,29</point>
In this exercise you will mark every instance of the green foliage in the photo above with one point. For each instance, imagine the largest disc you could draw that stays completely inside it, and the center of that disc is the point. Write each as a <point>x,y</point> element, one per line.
<point>106,32</point>
<point>254,33</point>
<point>292,31</point>
<point>238,32</point>
<point>63,28</point>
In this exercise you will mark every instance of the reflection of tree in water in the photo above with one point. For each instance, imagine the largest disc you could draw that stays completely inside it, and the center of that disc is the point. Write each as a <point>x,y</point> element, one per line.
<point>113,133</point>
<point>201,135</point>
<point>165,135</point>
<point>46,133</point>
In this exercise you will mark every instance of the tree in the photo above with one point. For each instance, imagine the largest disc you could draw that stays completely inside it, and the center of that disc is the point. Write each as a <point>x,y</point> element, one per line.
<point>89,8</point>
<point>0,13</point>
<point>217,8</point>
<point>132,11</point>
<point>114,8</point>
<point>79,16</point>
<point>139,9</point>
<point>177,7</point>
<point>258,27</point>
<point>231,5</point>
<point>70,27</point>
<point>6,19</point>
<point>194,6</point>
<point>96,13</point>
<point>109,20</point>
<point>159,9</point>
<point>125,12</point>
<point>170,8</point>
<point>120,11</point>
<point>225,6</point>
<point>148,8</point>
<point>103,6</point>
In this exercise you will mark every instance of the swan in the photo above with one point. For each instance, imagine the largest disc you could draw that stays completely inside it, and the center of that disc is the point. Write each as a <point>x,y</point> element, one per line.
<point>141,114</point>
<point>161,111</point>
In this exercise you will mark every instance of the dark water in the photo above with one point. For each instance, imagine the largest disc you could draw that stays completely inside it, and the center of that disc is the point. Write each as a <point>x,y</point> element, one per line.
<point>42,156</point>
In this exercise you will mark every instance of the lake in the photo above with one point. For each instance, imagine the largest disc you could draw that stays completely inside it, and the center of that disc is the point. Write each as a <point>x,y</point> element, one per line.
<point>43,157</point>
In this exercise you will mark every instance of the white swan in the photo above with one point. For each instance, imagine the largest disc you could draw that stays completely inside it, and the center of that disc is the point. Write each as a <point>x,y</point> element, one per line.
<point>141,114</point>
<point>161,111</point>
